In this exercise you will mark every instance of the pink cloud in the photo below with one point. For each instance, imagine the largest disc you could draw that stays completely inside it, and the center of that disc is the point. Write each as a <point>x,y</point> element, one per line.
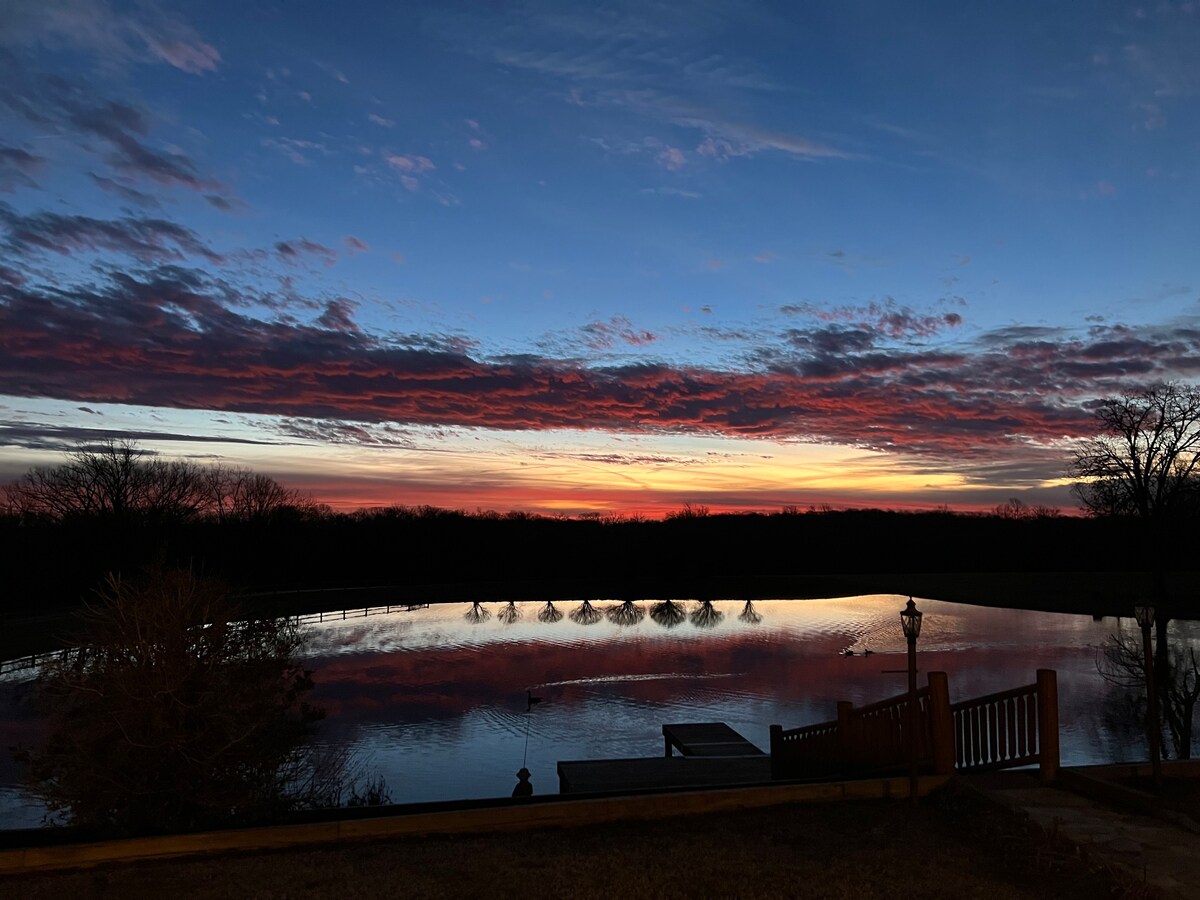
<point>672,159</point>
<point>406,163</point>
<point>194,57</point>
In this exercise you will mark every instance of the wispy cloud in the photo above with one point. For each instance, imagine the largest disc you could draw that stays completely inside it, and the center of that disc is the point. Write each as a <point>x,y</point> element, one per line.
<point>142,33</point>
<point>52,102</point>
<point>147,240</point>
<point>17,168</point>
<point>297,251</point>
<point>617,330</point>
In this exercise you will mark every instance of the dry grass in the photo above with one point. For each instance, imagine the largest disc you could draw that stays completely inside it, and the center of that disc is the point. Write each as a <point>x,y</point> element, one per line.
<point>949,847</point>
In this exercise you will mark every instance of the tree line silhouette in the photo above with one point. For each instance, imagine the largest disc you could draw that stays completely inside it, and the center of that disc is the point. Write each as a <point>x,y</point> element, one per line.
<point>115,508</point>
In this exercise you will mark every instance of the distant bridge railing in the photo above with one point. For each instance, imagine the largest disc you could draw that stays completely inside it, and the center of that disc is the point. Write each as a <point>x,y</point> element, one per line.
<point>360,612</point>
<point>33,661</point>
<point>1011,728</point>
<point>28,663</point>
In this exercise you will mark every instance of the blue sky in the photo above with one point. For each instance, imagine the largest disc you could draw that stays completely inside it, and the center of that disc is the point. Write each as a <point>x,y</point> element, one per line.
<point>596,256</point>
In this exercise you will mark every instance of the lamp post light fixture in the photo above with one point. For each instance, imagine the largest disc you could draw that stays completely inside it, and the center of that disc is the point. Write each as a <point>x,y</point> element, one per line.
<point>1145,619</point>
<point>910,621</point>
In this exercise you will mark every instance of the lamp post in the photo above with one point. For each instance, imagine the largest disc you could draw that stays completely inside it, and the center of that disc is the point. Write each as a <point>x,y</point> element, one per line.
<point>1145,620</point>
<point>910,621</point>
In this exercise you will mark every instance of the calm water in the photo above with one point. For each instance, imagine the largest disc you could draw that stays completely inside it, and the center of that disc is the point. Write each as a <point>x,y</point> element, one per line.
<point>436,703</point>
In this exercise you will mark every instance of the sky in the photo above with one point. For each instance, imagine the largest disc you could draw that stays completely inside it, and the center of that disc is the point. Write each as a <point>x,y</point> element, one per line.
<point>608,257</point>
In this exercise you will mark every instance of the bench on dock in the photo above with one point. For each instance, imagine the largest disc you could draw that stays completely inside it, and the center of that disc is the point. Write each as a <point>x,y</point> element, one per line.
<point>707,739</point>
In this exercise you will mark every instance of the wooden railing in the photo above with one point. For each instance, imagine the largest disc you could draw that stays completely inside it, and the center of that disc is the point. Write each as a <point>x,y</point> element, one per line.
<point>1007,729</point>
<point>872,738</point>
<point>358,612</point>
<point>1011,728</point>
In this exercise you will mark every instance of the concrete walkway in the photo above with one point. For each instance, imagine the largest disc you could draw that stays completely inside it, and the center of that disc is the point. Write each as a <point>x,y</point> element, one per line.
<point>1156,849</point>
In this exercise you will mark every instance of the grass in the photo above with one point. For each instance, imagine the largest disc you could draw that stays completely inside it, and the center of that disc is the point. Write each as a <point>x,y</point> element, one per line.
<point>949,847</point>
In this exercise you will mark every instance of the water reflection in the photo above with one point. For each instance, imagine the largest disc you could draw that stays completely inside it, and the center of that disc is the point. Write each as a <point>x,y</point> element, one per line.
<point>438,706</point>
<point>586,614</point>
<point>749,614</point>
<point>706,615</point>
<point>668,613</point>
<point>477,614</point>
<point>549,614</point>
<point>626,614</point>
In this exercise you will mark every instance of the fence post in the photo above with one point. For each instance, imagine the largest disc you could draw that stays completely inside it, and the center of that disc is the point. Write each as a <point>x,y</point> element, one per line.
<point>1047,692</point>
<point>776,752</point>
<point>847,745</point>
<point>941,723</point>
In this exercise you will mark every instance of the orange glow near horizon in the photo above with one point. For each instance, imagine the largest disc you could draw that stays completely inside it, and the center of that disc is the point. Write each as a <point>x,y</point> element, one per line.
<point>570,473</point>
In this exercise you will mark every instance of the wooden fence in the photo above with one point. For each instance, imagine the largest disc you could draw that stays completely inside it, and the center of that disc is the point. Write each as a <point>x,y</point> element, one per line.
<point>1011,728</point>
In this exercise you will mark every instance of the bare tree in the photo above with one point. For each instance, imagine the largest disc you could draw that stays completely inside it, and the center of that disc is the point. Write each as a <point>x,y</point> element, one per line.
<point>173,713</point>
<point>1144,461</point>
<point>237,493</point>
<point>1143,464</point>
<point>114,480</point>
<point>118,480</point>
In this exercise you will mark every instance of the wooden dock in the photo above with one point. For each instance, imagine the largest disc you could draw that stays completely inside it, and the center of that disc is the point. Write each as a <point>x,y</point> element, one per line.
<point>588,776</point>
<point>713,754</point>
<point>707,739</point>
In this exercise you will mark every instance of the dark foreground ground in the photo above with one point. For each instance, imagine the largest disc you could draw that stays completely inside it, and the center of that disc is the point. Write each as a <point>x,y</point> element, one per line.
<point>949,847</point>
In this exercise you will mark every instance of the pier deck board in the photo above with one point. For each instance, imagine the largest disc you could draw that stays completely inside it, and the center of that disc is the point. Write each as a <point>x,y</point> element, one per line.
<point>706,739</point>
<point>601,775</point>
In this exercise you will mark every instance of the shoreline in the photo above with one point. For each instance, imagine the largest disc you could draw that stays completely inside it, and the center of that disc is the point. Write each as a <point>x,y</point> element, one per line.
<point>1091,593</point>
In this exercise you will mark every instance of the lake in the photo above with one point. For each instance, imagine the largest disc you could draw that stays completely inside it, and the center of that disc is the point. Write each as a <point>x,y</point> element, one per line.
<point>434,699</point>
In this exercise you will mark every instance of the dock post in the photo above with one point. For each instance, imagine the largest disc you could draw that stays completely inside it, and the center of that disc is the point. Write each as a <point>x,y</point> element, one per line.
<point>847,745</point>
<point>1047,712</point>
<point>941,723</point>
<point>776,752</point>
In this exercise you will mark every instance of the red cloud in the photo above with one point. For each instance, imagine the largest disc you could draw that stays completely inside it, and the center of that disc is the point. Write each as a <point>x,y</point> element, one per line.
<point>170,339</point>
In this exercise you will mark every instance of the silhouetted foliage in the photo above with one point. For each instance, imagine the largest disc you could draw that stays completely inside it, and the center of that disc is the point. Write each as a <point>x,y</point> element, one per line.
<point>509,613</point>
<point>174,715</point>
<point>439,553</point>
<point>1015,509</point>
<point>1144,461</point>
<point>116,482</point>
<point>1143,465</point>
<point>113,481</point>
